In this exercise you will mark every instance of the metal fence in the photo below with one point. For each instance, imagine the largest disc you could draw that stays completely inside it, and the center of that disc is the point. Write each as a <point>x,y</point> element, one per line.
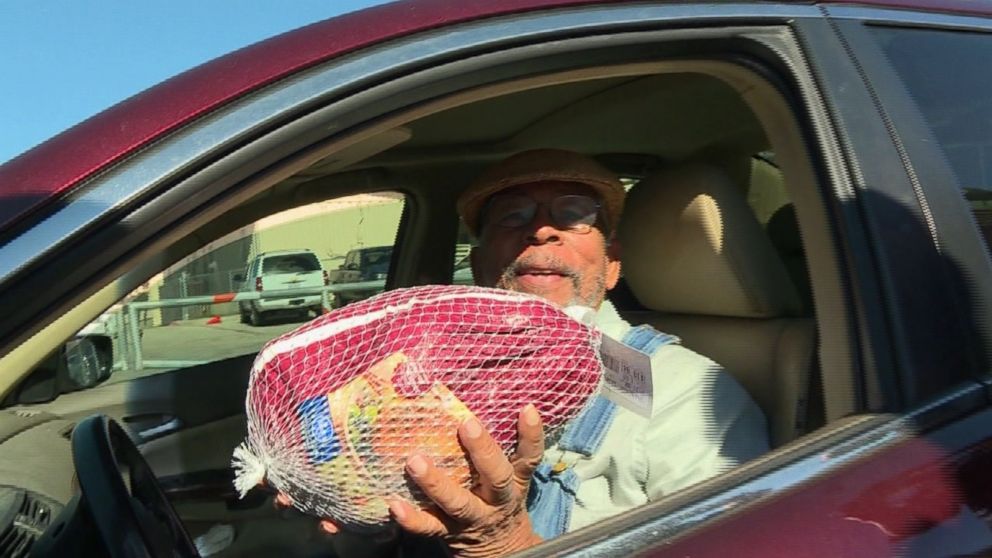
<point>124,325</point>
<point>183,285</point>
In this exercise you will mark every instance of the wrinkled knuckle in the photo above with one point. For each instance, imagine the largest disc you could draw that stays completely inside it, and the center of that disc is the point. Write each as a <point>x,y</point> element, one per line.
<point>530,447</point>
<point>429,529</point>
<point>419,528</point>
<point>502,483</point>
<point>527,465</point>
<point>532,462</point>
<point>535,429</point>
<point>439,492</point>
<point>489,452</point>
<point>460,508</point>
<point>431,484</point>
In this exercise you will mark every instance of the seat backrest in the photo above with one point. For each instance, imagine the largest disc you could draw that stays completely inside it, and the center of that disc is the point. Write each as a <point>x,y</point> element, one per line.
<point>700,264</point>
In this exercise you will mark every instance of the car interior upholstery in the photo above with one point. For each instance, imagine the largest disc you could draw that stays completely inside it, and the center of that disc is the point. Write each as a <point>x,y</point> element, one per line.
<point>703,268</point>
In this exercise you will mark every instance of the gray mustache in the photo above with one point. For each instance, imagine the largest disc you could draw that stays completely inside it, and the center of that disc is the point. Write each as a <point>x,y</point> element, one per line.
<point>546,264</point>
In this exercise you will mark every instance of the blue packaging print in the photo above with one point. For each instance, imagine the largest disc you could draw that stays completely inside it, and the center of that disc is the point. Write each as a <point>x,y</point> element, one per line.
<point>321,441</point>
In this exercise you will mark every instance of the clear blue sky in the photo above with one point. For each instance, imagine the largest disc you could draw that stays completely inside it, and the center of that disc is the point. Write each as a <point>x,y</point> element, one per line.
<point>62,61</point>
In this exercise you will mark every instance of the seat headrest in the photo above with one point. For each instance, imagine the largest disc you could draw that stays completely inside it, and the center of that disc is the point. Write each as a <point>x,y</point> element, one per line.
<point>692,245</point>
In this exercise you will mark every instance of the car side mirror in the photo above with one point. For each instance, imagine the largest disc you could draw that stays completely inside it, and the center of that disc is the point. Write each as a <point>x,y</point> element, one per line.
<point>82,363</point>
<point>87,361</point>
<point>352,267</point>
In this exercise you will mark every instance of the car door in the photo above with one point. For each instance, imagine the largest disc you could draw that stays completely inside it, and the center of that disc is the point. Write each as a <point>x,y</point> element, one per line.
<point>902,89</point>
<point>895,381</point>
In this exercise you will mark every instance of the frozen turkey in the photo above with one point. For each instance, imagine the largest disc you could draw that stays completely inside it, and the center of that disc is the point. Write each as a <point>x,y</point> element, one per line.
<point>336,406</point>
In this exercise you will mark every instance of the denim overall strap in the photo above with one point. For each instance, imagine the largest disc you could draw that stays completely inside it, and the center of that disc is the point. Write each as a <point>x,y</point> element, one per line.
<point>647,339</point>
<point>553,487</point>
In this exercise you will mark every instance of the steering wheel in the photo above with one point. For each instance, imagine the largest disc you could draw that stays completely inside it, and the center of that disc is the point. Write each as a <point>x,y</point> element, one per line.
<point>135,522</point>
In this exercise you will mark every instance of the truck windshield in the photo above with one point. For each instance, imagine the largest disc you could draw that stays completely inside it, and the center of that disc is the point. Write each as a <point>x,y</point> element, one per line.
<point>378,258</point>
<point>290,263</point>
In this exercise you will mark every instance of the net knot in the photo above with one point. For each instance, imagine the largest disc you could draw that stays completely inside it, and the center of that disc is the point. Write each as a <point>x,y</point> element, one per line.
<point>249,469</point>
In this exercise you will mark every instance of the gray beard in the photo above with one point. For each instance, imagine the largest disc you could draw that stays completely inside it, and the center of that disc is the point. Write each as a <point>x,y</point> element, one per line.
<point>508,280</point>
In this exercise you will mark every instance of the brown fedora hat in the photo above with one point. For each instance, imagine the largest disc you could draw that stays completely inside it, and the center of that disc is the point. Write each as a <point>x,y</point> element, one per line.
<point>541,165</point>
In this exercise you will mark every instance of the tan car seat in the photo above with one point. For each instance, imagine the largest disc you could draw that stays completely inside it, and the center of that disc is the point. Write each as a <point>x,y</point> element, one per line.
<point>699,263</point>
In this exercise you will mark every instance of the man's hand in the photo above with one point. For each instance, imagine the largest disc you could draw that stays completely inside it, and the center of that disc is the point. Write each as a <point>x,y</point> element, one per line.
<point>283,501</point>
<point>491,519</point>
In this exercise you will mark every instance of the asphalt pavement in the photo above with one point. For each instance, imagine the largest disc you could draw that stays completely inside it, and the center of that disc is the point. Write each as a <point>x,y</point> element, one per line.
<point>198,340</point>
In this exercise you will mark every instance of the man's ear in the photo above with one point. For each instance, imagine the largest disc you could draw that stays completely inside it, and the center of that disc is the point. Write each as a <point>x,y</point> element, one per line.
<point>613,251</point>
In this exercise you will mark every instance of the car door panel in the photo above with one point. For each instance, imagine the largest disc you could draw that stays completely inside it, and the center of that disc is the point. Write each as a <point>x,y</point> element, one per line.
<point>200,408</point>
<point>886,489</point>
<point>918,497</point>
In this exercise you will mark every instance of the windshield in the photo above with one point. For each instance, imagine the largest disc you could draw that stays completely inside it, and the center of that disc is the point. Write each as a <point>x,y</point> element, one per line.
<point>377,260</point>
<point>290,263</point>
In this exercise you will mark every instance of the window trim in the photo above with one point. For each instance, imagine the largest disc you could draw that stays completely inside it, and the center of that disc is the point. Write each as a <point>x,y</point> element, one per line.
<point>957,247</point>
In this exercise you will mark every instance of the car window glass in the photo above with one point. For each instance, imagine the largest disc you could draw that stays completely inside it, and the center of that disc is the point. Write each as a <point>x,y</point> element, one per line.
<point>290,263</point>
<point>949,76</point>
<point>766,188</point>
<point>265,279</point>
<point>463,265</point>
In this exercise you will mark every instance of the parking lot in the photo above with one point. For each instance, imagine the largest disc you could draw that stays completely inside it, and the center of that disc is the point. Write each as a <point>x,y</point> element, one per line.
<point>196,340</point>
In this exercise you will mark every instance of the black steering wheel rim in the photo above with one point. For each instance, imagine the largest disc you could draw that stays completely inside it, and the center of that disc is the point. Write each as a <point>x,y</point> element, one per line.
<point>99,448</point>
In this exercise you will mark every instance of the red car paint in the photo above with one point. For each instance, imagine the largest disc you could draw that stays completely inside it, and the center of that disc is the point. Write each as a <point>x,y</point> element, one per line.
<point>43,173</point>
<point>977,7</point>
<point>54,167</point>
<point>935,487</point>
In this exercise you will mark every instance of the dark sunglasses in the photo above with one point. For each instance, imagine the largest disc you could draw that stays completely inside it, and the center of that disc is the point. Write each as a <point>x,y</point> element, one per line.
<point>575,213</point>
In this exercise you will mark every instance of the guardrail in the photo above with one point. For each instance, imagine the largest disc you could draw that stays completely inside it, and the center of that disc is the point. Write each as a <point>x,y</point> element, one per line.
<point>133,358</point>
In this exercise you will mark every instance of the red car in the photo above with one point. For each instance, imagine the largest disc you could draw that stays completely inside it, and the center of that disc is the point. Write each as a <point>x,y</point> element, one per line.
<point>830,171</point>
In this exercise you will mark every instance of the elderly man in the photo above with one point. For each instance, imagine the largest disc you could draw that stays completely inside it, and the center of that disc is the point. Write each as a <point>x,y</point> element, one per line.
<point>546,224</point>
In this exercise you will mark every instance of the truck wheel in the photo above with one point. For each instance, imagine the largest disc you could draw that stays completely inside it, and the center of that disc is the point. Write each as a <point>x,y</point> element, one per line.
<point>255,318</point>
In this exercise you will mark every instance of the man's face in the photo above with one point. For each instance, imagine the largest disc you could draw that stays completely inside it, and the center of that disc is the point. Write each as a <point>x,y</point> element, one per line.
<point>564,266</point>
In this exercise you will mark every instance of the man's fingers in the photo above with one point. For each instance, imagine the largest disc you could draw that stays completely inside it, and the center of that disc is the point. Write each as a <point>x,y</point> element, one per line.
<point>283,500</point>
<point>530,446</point>
<point>329,527</point>
<point>417,521</point>
<point>458,503</point>
<point>495,483</point>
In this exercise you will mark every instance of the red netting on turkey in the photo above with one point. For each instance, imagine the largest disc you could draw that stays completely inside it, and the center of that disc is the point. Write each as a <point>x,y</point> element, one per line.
<point>336,406</point>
